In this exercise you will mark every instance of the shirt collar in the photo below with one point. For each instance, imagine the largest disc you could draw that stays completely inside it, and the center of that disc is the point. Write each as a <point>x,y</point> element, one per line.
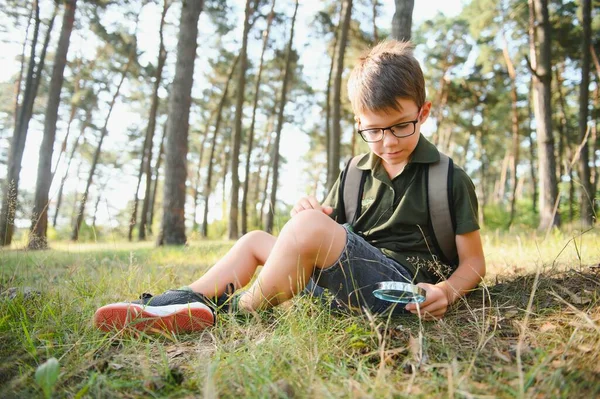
<point>425,152</point>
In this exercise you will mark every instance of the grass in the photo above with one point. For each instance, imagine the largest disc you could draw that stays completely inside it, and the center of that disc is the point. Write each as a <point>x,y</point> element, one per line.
<point>532,330</point>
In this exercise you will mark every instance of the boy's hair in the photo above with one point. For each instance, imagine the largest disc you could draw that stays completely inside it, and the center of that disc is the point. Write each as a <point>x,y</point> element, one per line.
<point>388,72</point>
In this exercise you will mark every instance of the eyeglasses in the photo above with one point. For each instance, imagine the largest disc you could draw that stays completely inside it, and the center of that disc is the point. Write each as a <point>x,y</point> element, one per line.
<point>399,130</point>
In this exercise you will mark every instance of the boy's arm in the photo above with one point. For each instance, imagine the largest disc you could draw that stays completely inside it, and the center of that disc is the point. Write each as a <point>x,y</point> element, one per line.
<point>470,270</point>
<point>467,275</point>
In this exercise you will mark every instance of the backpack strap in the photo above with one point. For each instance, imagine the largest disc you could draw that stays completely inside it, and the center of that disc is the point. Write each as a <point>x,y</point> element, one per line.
<point>352,189</point>
<point>440,198</point>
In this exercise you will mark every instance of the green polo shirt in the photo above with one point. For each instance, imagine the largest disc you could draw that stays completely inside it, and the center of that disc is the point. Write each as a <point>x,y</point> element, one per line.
<point>394,215</point>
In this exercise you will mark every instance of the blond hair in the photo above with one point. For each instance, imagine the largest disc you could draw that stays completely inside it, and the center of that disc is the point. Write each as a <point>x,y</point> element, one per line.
<point>386,73</point>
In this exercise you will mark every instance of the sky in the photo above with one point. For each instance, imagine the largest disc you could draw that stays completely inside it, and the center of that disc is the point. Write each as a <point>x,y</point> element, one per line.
<point>293,144</point>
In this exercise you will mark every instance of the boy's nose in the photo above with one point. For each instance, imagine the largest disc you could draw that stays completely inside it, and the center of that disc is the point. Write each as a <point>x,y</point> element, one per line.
<point>388,138</point>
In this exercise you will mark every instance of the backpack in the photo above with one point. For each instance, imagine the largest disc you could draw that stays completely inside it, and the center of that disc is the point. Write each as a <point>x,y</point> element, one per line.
<point>439,202</point>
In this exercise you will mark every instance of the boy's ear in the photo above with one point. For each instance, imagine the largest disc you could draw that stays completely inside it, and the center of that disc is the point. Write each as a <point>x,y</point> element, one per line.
<point>425,111</point>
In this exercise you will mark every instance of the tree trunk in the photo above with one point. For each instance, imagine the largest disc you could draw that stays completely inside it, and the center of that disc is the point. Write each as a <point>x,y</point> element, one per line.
<point>39,218</point>
<point>594,139</point>
<point>159,158</point>
<point>330,177</point>
<point>587,195</point>
<point>146,163</point>
<point>104,131</point>
<point>133,219</point>
<point>542,82</point>
<point>236,141</point>
<point>515,129</point>
<point>500,190</point>
<point>264,213</point>
<point>84,125</point>
<point>251,131</point>
<point>213,141</point>
<point>402,20</point>
<point>375,35</point>
<point>565,140</point>
<point>225,158</point>
<point>280,121</point>
<point>534,183</point>
<point>197,181</point>
<point>336,133</point>
<point>19,82</point>
<point>10,189</point>
<point>595,59</point>
<point>264,160</point>
<point>482,155</point>
<point>173,222</point>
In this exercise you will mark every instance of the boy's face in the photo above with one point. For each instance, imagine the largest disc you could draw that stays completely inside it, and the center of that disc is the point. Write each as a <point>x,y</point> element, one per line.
<point>394,151</point>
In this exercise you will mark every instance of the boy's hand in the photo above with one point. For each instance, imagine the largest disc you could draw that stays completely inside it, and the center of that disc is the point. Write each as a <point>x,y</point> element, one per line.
<point>310,202</point>
<point>435,305</point>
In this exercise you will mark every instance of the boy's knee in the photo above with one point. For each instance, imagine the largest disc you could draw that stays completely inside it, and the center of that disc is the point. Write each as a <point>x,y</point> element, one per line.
<point>310,228</point>
<point>254,237</point>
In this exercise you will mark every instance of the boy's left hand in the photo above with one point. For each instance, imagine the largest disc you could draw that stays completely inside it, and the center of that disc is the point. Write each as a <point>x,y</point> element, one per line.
<point>435,305</point>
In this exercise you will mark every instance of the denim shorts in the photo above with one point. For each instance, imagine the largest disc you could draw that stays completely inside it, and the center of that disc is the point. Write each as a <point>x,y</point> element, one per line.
<point>352,278</point>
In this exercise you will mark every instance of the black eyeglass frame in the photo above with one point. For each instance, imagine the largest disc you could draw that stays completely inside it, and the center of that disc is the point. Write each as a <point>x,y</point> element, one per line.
<point>383,129</point>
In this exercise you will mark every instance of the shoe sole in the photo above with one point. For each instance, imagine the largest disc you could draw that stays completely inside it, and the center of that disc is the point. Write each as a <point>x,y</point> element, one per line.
<point>190,317</point>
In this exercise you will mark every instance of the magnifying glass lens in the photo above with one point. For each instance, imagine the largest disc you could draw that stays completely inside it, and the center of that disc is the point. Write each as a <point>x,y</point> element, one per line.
<point>393,291</point>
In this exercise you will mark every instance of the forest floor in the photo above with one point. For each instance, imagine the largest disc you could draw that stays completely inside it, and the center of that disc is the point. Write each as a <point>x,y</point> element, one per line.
<point>532,330</point>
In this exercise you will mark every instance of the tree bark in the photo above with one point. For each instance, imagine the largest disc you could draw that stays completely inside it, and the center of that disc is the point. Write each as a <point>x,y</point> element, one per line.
<point>104,131</point>
<point>330,177</point>
<point>10,189</point>
<point>159,158</point>
<point>515,129</point>
<point>587,195</point>
<point>197,181</point>
<point>134,209</point>
<point>280,121</point>
<point>483,169</point>
<point>19,82</point>
<point>336,133</point>
<point>565,141</point>
<point>402,20</point>
<point>236,141</point>
<point>173,222</point>
<point>264,160</point>
<point>39,218</point>
<point>542,82</point>
<point>594,139</point>
<point>213,141</point>
<point>146,163</point>
<point>534,183</point>
<point>263,212</point>
<point>251,131</point>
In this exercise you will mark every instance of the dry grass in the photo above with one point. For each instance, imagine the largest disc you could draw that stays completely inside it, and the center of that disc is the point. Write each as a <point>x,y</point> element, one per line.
<point>532,330</point>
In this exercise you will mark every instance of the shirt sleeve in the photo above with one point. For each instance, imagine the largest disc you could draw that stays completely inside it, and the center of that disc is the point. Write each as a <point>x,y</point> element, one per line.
<point>466,206</point>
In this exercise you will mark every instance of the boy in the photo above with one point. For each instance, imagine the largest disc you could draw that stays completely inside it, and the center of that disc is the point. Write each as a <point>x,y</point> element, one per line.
<point>391,242</point>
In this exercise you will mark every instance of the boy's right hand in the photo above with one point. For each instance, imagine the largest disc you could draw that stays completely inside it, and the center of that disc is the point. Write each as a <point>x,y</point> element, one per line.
<point>310,202</point>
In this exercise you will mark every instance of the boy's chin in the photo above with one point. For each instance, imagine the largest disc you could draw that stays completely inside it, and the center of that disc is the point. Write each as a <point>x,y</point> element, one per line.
<point>394,159</point>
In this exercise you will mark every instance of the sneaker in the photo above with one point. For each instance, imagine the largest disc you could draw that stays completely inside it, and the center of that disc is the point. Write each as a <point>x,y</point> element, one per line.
<point>179,311</point>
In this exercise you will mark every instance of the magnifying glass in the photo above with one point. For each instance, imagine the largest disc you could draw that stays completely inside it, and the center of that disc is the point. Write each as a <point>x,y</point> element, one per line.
<point>394,291</point>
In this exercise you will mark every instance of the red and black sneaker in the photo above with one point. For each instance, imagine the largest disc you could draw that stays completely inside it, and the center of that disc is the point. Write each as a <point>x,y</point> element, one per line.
<point>179,311</point>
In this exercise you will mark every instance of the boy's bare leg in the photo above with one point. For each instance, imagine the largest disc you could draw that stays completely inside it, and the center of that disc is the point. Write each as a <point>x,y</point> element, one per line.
<point>309,240</point>
<point>237,266</point>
